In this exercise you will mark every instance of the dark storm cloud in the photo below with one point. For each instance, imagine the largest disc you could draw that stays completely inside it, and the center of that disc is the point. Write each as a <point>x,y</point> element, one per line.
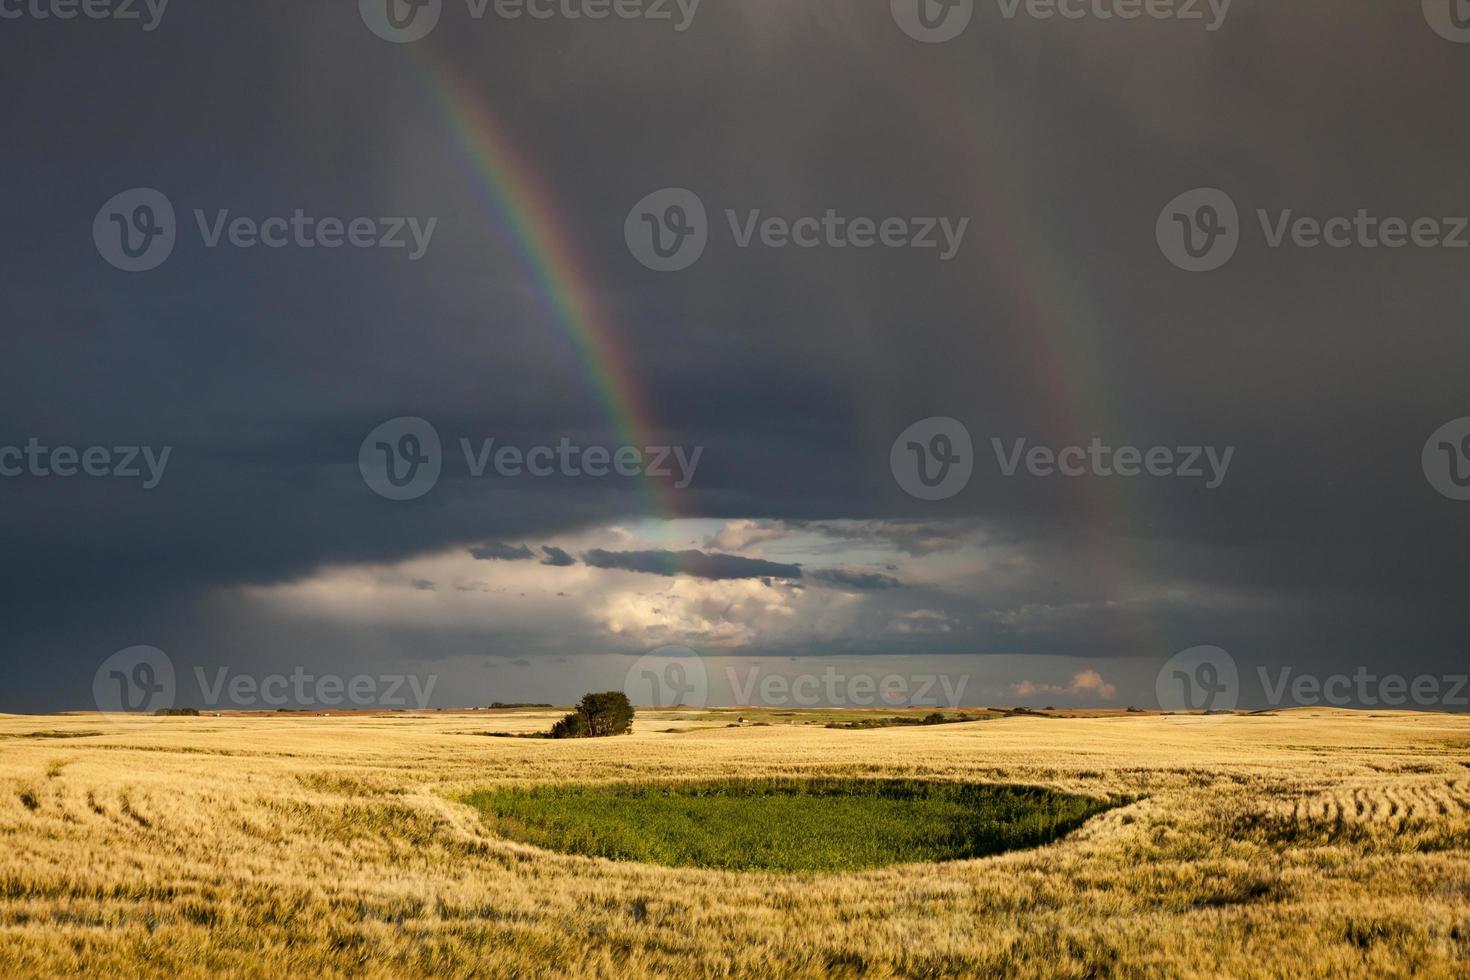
<point>556,557</point>
<point>843,578</point>
<point>723,567</point>
<point>696,564</point>
<point>500,551</point>
<point>912,537</point>
<point>795,369</point>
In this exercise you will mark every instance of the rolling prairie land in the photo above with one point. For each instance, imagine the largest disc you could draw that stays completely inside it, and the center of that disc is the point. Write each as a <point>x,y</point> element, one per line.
<point>1305,843</point>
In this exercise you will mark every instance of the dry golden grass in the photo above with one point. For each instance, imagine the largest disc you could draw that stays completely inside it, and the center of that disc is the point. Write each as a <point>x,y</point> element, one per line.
<point>1309,843</point>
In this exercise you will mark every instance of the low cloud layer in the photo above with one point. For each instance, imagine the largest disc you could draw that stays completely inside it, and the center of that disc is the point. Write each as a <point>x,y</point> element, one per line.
<point>716,567</point>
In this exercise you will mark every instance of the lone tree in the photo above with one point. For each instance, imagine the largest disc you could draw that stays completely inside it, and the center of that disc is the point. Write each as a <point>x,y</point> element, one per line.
<point>597,716</point>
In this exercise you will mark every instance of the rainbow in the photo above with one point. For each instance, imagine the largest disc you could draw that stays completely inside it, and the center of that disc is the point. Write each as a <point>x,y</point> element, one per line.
<point>1059,330</point>
<point>526,210</point>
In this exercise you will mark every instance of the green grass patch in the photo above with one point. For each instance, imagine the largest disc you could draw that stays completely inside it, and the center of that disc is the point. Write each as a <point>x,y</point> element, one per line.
<point>784,825</point>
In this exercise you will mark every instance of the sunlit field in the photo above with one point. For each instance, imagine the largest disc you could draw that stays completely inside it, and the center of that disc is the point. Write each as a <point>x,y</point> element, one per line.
<point>1306,843</point>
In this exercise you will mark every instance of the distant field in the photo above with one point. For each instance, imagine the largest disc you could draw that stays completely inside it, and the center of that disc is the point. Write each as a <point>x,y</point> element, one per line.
<point>1302,844</point>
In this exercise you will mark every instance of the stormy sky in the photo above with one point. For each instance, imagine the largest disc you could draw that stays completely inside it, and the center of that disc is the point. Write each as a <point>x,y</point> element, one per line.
<point>526,318</point>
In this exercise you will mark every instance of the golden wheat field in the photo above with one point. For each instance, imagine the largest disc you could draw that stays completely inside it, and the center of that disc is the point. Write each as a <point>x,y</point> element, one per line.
<point>1304,843</point>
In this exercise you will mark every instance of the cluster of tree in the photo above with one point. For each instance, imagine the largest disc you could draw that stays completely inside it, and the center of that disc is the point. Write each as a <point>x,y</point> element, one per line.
<point>597,716</point>
<point>176,712</point>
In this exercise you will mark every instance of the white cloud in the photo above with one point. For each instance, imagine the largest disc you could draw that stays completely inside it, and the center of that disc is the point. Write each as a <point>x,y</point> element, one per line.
<point>1086,684</point>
